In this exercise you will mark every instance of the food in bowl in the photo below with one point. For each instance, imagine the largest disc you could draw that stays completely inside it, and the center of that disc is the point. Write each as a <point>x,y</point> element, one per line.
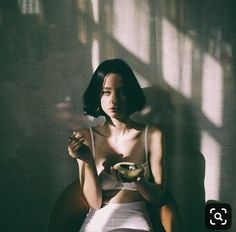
<point>129,170</point>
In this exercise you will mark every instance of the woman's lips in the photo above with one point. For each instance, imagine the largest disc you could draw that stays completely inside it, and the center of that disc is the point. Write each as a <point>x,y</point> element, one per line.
<point>114,108</point>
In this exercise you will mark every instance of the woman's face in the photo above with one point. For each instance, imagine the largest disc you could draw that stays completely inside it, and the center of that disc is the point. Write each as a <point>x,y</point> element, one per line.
<point>114,99</point>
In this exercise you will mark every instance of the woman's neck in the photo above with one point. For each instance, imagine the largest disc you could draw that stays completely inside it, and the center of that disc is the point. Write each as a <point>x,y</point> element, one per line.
<point>119,127</point>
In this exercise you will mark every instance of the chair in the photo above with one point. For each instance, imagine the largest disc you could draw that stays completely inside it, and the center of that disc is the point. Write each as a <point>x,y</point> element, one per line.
<point>69,211</point>
<point>71,208</point>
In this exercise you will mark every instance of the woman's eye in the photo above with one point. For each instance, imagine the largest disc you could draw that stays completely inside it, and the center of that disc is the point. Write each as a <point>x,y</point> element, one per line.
<point>106,93</point>
<point>123,93</point>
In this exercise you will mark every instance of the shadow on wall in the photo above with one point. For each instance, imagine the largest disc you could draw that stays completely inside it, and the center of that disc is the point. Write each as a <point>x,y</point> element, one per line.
<point>34,166</point>
<point>185,165</point>
<point>40,65</point>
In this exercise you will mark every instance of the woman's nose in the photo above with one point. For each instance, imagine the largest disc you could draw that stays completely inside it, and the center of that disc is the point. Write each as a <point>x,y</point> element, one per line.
<point>114,98</point>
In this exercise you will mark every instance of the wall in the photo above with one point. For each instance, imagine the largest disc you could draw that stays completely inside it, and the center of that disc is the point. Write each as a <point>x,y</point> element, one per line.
<point>182,53</point>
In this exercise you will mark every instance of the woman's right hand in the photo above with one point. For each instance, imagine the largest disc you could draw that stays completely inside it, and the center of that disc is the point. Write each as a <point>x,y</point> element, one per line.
<point>78,149</point>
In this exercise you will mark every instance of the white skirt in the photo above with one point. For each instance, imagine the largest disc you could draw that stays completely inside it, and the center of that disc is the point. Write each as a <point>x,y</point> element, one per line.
<point>118,217</point>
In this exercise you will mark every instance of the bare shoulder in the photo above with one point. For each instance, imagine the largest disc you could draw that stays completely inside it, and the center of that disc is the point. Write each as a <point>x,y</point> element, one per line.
<point>156,142</point>
<point>154,133</point>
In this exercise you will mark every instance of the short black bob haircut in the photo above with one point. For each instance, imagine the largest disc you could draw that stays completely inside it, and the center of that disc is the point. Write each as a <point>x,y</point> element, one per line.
<point>136,99</point>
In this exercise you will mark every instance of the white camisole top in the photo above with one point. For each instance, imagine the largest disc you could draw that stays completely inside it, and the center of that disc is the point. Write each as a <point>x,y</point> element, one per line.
<point>109,181</point>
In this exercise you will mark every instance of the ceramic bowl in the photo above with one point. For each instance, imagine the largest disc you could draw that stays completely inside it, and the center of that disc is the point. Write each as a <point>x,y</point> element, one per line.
<point>128,170</point>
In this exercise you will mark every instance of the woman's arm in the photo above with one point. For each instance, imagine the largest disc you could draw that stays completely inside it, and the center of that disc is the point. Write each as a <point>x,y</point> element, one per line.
<point>90,184</point>
<point>78,148</point>
<point>154,192</point>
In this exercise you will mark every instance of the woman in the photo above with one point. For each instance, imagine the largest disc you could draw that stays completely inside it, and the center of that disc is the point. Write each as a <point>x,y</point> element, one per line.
<point>116,203</point>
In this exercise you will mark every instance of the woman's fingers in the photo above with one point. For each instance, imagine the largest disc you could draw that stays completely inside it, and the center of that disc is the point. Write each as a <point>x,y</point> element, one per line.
<point>77,135</point>
<point>74,143</point>
<point>113,171</point>
<point>71,153</point>
<point>77,147</point>
<point>121,178</point>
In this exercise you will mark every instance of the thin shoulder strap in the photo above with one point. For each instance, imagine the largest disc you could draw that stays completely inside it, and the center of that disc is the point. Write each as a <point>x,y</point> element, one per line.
<point>146,142</point>
<point>92,140</point>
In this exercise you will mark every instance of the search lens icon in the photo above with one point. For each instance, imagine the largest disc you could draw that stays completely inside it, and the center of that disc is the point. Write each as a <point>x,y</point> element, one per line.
<point>218,216</point>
